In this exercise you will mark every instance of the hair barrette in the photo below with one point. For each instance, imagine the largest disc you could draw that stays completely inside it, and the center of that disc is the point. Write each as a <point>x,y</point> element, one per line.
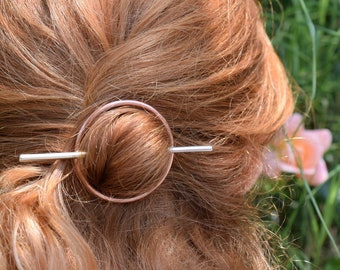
<point>114,104</point>
<point>80,154</point>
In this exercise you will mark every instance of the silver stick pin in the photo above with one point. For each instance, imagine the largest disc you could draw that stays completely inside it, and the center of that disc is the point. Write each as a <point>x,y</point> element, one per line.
<point>70,155</point>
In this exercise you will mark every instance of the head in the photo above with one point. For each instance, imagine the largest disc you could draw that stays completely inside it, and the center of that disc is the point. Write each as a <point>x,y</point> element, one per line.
<point>206,66</point>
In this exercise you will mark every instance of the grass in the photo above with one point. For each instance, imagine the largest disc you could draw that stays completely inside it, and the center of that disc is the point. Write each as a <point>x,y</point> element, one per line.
<point>306,35</point>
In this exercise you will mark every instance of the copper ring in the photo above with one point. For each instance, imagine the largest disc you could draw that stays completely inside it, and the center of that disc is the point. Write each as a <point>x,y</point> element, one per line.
<point>91,118</point>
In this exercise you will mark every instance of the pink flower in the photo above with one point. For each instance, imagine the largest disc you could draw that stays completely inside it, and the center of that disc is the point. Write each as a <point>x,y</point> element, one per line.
<point>302,149</point>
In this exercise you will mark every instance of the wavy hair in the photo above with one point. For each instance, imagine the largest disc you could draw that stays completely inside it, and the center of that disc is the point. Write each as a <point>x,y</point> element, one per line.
<point>206,66</point>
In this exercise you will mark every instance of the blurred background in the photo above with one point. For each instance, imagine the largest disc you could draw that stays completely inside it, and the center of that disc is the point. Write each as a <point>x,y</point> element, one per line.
<point>306,35</point>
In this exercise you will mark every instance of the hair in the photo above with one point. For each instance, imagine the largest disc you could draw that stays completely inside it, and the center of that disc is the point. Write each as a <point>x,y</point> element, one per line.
<point>206,66</point>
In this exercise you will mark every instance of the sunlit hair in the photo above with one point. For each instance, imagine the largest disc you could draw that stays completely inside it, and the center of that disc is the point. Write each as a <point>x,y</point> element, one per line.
<point>206,66</point>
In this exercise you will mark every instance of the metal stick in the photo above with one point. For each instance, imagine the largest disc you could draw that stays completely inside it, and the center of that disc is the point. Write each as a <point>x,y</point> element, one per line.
<point>50,156</point>
<point>189,149</point>
<point>69,155</point>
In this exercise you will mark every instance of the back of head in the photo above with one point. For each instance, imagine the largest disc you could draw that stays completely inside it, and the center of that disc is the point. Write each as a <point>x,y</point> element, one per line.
<point>209,70</point>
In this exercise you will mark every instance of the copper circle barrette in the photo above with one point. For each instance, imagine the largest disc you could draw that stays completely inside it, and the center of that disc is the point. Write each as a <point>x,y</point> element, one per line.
<point>79,154</point>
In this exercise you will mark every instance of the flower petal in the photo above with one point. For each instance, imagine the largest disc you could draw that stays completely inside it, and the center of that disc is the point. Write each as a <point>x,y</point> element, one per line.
<point>271,165</point>
<point>321,137</point>
<point>320,176</point>
<point>293,125</point>
<point>306,151</point>
<point>285,167</point>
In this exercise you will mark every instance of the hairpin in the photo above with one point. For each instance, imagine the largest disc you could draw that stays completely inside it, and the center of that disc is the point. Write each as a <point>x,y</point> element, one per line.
<point>79,154</point>
<point>71,155</point>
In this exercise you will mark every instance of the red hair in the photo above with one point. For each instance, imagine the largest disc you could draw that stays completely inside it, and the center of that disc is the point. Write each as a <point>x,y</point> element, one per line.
<point>206,66</point>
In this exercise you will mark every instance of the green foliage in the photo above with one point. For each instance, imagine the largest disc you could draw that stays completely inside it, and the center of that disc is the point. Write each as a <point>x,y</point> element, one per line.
<point>306,35</point>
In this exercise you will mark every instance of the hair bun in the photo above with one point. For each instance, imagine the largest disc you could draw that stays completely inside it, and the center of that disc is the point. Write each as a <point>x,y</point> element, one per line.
<point>127,146</point>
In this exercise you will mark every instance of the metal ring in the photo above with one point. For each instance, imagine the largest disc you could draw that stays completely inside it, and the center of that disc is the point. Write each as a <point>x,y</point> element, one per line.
<point>91,118</point>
